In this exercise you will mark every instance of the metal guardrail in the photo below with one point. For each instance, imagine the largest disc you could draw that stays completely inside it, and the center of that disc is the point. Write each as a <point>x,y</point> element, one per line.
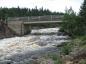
<point>37,18</point>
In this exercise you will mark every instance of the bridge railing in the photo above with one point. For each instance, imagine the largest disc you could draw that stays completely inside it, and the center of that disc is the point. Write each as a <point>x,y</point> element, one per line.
<point>17,18</point>
<point>37,18</point>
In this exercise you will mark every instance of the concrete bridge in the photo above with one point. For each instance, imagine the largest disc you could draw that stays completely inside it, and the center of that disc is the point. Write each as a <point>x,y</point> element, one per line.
<point>23,25</point>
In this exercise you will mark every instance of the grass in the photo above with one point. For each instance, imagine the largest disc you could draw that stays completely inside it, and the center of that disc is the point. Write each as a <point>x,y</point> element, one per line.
<point>55,57</point>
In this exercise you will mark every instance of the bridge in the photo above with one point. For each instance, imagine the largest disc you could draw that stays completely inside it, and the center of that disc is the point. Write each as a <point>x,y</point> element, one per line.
<point>23,25</point>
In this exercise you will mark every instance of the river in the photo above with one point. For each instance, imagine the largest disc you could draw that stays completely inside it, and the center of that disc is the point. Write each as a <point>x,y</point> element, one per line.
<point>40,41</point>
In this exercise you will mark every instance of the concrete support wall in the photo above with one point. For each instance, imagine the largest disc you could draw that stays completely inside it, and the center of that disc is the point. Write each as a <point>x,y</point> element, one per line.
<point>27,29</point>
<point>16,26</point>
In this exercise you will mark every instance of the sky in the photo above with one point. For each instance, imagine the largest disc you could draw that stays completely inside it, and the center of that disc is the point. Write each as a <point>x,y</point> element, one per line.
<point>53,5</point>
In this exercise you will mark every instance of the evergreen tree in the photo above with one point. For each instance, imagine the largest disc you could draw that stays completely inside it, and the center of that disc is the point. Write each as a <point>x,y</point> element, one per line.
<point>82,15</point>
<point>72,23</point>
<point>83,10</point>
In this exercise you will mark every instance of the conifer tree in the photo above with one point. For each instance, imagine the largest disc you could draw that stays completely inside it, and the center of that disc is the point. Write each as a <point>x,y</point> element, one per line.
<point>83,10</point>
<point>82,15</point>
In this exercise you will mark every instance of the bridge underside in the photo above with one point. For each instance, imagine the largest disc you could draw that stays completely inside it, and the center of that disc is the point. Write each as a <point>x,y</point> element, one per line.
<point>29,26</point>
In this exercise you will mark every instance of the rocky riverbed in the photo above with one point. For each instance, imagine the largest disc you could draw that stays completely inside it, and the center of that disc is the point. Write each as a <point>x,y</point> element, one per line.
<point>17,49</point>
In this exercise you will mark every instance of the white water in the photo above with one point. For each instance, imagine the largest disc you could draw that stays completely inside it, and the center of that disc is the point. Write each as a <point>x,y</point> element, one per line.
<point>11,46</point>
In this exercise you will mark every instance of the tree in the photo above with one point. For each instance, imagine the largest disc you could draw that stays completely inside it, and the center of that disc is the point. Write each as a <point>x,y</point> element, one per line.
<point>82,15</point>
<point>83,10</point>
<point>71,23</point>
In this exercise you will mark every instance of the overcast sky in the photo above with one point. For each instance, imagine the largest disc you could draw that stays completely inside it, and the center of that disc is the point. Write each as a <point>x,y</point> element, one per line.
<point>53,5</point>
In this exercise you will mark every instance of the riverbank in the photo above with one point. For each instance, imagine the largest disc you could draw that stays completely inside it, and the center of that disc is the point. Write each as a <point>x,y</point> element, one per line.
<point>75,51</point>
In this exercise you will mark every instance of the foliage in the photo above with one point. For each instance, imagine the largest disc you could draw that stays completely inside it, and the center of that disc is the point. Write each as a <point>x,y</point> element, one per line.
<point>19,12</point>
<point>82,15</point>
<point>55,57</point>
<point>76,26</point>
<point>66,49</point>
<point>72,24</point>
<point>83,10</point>
<point>77,43</point>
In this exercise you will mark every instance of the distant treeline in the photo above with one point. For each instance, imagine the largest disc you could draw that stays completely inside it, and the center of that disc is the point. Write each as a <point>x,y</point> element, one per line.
<point>21,12</point>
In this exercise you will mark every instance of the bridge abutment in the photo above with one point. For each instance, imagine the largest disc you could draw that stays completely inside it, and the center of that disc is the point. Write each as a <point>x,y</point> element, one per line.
<point>27,29</point>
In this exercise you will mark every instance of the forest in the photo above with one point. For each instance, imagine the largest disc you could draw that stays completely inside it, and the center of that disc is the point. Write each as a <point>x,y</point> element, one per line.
<point>22,12</point>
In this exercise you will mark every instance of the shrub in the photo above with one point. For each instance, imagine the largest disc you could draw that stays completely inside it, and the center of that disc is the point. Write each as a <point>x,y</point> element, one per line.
<point>72,24</point>
<point>66,49</point>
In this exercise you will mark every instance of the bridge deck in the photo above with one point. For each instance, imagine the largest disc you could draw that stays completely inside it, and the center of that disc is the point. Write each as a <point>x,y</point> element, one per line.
<point>42,22</point>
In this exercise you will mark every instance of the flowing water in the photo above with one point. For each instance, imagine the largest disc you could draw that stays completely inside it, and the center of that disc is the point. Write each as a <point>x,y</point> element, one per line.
<point>17,49</point>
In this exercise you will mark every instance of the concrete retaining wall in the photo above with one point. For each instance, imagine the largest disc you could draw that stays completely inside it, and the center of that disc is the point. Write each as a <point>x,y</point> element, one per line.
<point>16,26</point>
